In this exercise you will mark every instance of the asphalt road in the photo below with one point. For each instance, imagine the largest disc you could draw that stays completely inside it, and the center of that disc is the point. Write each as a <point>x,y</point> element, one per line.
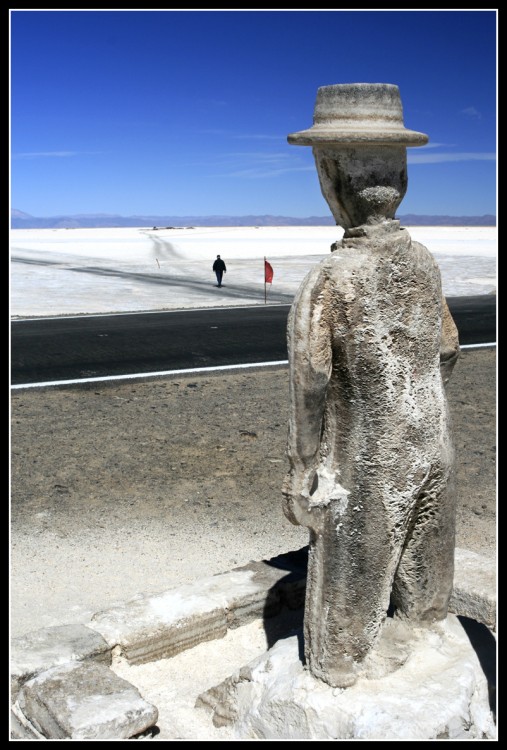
<point>72,348</point>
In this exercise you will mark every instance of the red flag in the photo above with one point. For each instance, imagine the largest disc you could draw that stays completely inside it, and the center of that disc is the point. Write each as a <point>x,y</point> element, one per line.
<point>268,272</point>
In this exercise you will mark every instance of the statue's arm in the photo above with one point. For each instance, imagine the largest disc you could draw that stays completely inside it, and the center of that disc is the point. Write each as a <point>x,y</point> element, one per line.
<point>449,338</point>
<point>449,343</point>
<point>310,363</point>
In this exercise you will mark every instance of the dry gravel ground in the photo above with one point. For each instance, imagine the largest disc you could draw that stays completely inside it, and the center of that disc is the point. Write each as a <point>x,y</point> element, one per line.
<point>133,487</point>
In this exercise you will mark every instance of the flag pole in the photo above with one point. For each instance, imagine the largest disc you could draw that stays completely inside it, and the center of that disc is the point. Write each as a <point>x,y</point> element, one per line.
<point>264,279</point>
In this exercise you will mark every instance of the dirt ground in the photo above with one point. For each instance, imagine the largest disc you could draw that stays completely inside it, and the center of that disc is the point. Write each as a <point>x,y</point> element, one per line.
<point>129,487</point>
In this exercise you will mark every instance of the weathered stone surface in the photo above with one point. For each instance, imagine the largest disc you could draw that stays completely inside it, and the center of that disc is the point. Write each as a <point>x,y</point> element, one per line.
<point>42,649</point>
<point>280,581</point>
<point>246,593</point>
<point>21,728</point>
<point>239,595</point>
<point>418,683</point>
<point>157,627</point>
<point>371,347</point>
<point>147,628</point>
<point>474,593</point>
<point>85,701</point>
<point>358,113</point>
<point>369,446</point>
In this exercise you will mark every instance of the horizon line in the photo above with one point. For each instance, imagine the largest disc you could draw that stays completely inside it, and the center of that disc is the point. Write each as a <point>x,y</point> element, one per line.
<point>214,216</point>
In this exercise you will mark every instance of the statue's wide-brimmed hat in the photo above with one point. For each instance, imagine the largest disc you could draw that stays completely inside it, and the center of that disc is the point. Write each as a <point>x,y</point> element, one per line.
<point>358,113</point>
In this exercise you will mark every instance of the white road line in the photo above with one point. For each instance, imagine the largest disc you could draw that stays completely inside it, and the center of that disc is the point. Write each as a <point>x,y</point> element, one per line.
<point>476,346</point>
<point>159,374</point>
<point>189,371</point>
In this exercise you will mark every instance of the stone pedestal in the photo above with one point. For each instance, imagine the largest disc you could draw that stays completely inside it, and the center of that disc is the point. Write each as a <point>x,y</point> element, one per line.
<point>416,684</point>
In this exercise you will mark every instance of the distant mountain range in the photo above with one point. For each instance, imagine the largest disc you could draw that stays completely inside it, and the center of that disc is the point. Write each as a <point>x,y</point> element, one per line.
<point>21,220</point>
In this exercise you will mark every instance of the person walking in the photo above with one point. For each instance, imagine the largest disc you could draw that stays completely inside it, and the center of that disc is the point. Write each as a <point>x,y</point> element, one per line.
<point>219,269</point>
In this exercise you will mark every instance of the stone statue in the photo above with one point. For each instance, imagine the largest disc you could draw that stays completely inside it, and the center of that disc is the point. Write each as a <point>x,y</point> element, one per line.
<point>371,346</point>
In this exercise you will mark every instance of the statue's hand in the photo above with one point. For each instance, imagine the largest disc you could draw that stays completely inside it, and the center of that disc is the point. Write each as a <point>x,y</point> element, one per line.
<point>298,488</point>
<point>308,492</point>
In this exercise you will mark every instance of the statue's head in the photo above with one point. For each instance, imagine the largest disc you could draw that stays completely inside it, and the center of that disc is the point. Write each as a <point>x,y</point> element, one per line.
<point>360,147</point>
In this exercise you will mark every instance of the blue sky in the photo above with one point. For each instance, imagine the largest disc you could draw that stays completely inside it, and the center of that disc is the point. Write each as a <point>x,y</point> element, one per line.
<point>186,113</point>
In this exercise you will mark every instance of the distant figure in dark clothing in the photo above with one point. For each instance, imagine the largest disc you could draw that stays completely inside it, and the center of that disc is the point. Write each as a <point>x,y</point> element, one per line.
<point>219,268</point>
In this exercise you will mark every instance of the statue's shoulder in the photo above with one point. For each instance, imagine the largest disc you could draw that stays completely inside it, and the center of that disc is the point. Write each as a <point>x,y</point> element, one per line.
<point>422,253</point>
<point>338,265</point>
